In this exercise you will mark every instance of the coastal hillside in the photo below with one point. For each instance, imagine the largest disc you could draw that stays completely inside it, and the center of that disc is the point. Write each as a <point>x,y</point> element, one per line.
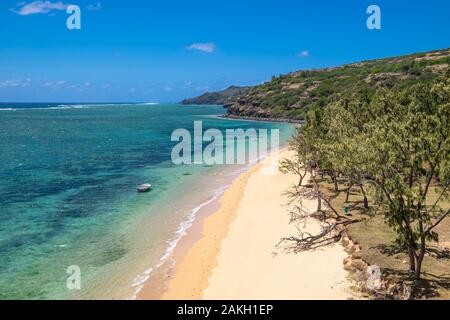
<point>290,96</point>
<point>221,97</point>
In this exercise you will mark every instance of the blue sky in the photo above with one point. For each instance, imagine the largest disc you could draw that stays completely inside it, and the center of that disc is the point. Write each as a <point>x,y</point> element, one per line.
<point>153,50</point>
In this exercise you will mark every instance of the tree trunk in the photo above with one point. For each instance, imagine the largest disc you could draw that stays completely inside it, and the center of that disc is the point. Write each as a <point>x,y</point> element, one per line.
<point>319,199</point>
<point>411,246</point>
<point>300,181</point>
<point>412,260</point>
<point>421,255</point>
<point>335,181</point>
<point>419,261</point>
<point>348,192</point>
<point>366,202</point>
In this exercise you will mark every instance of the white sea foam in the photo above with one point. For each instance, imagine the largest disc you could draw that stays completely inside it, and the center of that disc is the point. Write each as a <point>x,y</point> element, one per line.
<point>58,107</point>
<point>172,244</point>
<point>187,224</point>
<point>139,280</point>
<point>69,106</point>
<point>77,106</point>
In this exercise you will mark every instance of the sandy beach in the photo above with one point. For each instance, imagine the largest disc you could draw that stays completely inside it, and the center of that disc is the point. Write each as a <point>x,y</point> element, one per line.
<point>236,256</point>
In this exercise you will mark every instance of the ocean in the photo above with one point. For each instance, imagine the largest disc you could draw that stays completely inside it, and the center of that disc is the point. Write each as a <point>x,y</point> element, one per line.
<point>68,178</point>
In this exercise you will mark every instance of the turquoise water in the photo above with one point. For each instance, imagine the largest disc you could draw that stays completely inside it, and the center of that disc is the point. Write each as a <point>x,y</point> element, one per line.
<point>68,178</point>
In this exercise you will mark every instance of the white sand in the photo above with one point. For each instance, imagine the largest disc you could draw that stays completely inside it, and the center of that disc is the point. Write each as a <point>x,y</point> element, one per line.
<point>239,259</point>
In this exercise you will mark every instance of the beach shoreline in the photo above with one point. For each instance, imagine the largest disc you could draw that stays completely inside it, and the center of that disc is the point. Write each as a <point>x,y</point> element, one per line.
<point>237,235</point>
<point>282,120</point>
<point>156,286</point>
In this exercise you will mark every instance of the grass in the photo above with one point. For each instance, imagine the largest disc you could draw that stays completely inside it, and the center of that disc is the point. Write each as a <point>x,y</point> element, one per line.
<point>376,239</point>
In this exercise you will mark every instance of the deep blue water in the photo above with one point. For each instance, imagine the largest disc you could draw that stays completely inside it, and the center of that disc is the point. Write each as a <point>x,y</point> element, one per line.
<point>68,177</point>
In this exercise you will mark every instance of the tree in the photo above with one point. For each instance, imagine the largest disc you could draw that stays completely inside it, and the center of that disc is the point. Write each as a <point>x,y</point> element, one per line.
<point>408,149</point>
<point>398,142</point>
<point>308,161</point>
<point>343,146</point>
<point>299,163</point>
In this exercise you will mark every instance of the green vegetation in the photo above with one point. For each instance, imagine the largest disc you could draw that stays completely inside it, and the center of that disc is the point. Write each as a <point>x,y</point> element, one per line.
<point>377,243</point>
<point>393,146</point>
<point>291,96</point>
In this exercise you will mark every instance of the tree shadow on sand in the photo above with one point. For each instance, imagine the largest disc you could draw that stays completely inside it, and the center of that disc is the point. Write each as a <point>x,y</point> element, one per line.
<point>428,287</point>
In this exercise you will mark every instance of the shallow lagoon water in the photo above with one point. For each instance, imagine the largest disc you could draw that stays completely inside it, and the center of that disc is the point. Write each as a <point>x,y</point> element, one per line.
<point>68,178</point>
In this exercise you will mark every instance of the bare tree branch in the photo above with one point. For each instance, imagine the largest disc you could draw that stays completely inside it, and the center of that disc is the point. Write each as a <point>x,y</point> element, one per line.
<point>328,235</point>
<point>438,221</point>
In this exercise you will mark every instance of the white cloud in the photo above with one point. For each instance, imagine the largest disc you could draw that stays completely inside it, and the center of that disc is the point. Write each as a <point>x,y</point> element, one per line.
<point>304,54</point>
<point>186,85</point>
<point>15,83</point>
<point>168,88</point>
<point>79,86</point>
<point>73,86</point>
<point>94,7</point>
<point>36,7</point>
<point>204,47</point>
<point>54,84</point>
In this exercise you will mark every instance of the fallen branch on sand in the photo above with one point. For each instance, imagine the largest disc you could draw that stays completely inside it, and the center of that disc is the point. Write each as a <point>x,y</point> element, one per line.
<point>333,225</point>
<point>329,234</point>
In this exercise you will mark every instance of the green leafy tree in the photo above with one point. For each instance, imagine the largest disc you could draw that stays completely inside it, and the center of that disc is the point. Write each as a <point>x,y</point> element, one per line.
<point>343,148</point>
<point>408,149</point>
<point>399,143</point>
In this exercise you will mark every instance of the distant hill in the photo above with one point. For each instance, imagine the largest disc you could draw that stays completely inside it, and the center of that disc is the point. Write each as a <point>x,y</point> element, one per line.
<point>220,97</point>
<point>290,96</point>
